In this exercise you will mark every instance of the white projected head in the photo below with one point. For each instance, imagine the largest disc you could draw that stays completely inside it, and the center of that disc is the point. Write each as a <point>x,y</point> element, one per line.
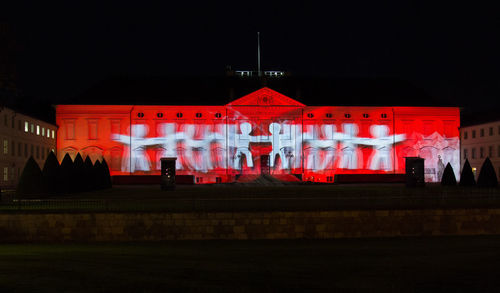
<point>350,129</point>
<point>245,128</point>
<point>328,130</point>
<point>166,129</point>
<point>274,128</point>
<point>379,130</point>
<point>140,130</point>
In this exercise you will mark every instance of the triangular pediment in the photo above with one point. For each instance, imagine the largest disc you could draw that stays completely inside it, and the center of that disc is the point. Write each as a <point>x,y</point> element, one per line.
<point>266,97</point>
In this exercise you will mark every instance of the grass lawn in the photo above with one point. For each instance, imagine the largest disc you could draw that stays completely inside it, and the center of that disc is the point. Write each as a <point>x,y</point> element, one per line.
<point>444,264</point>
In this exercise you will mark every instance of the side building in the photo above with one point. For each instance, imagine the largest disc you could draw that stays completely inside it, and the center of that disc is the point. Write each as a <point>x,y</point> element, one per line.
<point>478,142</point>
<point>22,136</point>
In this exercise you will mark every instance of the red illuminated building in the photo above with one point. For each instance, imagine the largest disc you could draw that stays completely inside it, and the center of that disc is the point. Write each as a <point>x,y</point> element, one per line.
<point>263,132</point>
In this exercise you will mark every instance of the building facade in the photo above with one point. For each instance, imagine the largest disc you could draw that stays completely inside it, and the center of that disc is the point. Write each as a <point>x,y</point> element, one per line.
<point>22,136</point>
<point>481,141</point>
<point>263,132</point>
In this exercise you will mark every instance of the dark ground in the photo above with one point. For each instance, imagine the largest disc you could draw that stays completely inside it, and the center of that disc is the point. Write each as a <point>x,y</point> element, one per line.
<point>439,264</point>
<point>234,197</point>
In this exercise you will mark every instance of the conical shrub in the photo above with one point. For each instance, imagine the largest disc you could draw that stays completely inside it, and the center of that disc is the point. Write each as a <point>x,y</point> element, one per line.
<point>449,178</point>
<point>467,176</point>
<point>487,175</point>
<point>107,175</point>
<point>89,177</point>
<point>50,174</point>
<point>66,175</point>
<point>99,175</point>
<point>78,177</point>
<point>30,183</point>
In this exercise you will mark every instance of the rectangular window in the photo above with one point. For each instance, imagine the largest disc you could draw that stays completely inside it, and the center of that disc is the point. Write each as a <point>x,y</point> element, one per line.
<point>19,125</point>
<point>481,152</point>
<point>53,134</point>
<point>473,153</point>
<point>37,152</point>
<point>92,126</point>
<point>465,135</point>
<point>19,147</point>
<point>48,133</point>
<point>491,131</point>
<point>25,150</point>
<point>70,129</point>
<point>5,120</point>
<point>473,134</point>
<point>5,173</point>
<point>38,130</point>
<point>465,153</point>
<point>5,147</point>
<point>13,147</point>
<point>481,132</point>
<point>43,131</point>
<point>490,151</point>
<point>32,128</point>
<point>26,126</point>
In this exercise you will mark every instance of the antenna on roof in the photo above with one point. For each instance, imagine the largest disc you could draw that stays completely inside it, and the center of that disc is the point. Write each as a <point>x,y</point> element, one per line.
<point>258,54</point>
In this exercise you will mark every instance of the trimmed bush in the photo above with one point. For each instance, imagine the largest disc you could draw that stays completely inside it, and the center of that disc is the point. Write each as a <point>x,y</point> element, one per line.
<point>90,176</point>
<point>30,183</point>
<point>107,175</point>
<point>50,174</point>
<point>448,178</point>
<point>487,175</point>
<point>99,175</point>
<point>467,176</point>
<point>66,174</point>
<point>78,176</point>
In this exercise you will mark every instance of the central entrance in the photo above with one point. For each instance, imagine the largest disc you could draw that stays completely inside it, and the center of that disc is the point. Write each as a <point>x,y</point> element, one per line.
<point>264,164</point>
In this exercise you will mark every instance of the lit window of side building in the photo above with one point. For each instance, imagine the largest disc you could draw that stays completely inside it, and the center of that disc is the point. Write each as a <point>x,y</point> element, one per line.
<point>263,132</point>
<point>19,142</point>
<point>487,144</point>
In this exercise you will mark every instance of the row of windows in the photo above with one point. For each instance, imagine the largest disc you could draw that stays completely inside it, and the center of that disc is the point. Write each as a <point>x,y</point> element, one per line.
<point>178,115</point>
<point>481,132</point>
<point>346,115</point>
<point>24,150</point>
<point>482,154</point>
<point>39,130</point>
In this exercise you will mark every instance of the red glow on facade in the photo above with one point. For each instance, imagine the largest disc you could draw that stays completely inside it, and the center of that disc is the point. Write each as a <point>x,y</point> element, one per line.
<point>264,131</point>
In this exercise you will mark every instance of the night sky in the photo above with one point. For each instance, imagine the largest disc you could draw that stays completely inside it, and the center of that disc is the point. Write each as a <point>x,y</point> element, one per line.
<point>451,50</point>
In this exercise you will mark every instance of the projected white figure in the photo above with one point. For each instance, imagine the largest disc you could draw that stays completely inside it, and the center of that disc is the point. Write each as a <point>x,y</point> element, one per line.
<point>219,146</point>
<point>242,145</point>
<point>327,145</point>
<point>349,156</point>
<point>201,162</point>
<point>168,142</point>
<point>382,141</point>
<point>137,143</point>
<point>282,145</point>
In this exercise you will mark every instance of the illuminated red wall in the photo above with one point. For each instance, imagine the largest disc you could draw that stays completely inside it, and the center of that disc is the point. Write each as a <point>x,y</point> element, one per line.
<point>224,141</point>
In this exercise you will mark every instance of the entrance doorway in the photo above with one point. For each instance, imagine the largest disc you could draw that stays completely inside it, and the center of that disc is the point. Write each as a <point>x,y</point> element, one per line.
<point>264,164</point>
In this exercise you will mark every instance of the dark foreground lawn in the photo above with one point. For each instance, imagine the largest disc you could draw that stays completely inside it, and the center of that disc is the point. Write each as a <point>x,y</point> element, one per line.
<point>450,264</point>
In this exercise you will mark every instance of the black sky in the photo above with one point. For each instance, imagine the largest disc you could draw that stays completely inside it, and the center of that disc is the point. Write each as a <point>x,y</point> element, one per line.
<point>449,49</point>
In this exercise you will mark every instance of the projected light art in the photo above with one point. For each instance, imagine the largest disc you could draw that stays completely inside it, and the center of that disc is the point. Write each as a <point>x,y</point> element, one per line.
<point>264,132</point>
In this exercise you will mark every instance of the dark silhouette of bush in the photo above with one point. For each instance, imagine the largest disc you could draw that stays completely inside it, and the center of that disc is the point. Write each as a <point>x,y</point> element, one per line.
<point>448,178</point>
<point>107,175</point>
<point>30,183</point>
<point>467,176</point>
<point>90,176</point>
<point>66,175</point>
<point>50,174</point>
<point>78,176</point>
<point>487,175</point>
<point>99,173</point>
